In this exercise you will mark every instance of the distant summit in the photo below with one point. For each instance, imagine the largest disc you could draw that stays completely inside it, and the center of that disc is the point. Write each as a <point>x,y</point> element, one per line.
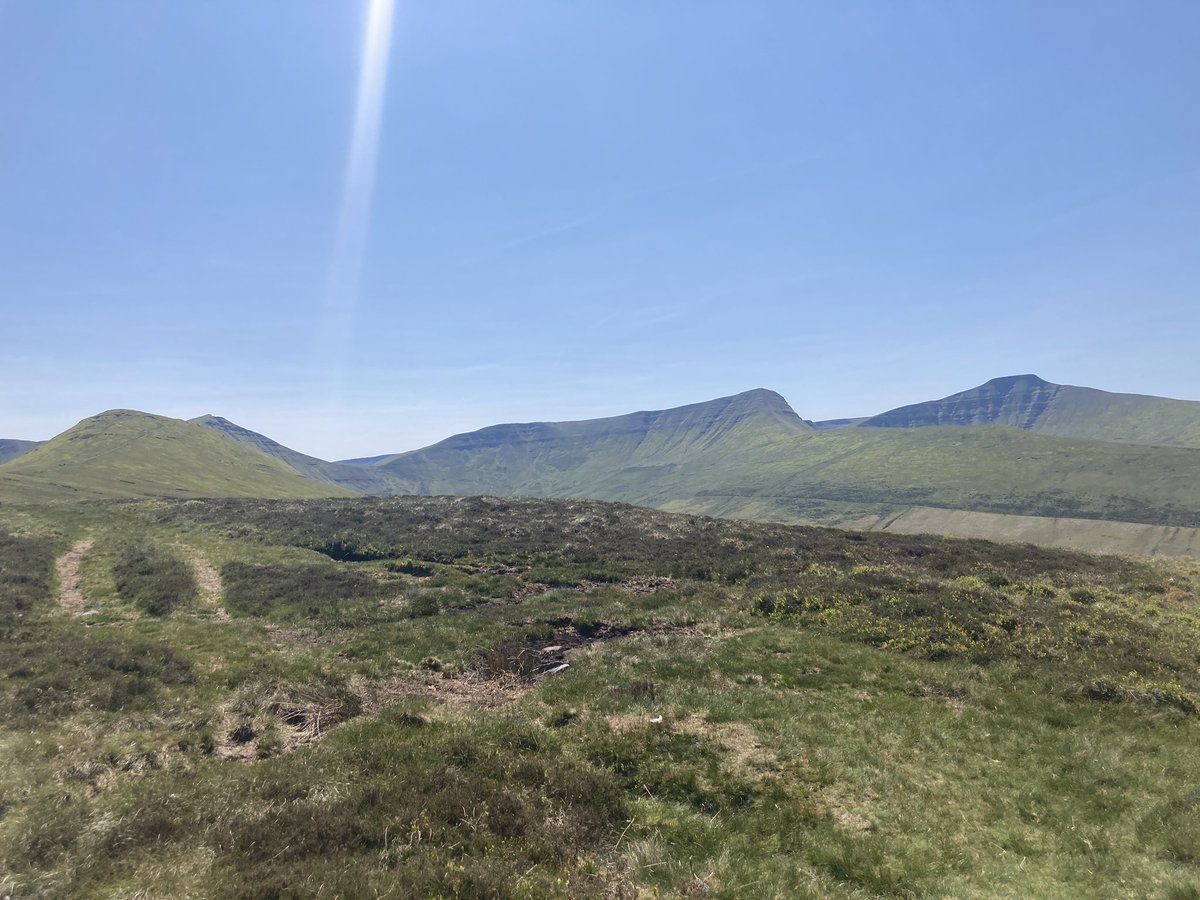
<point>1034,404</point>
<point>1016,400</point>
<point>564,458</point>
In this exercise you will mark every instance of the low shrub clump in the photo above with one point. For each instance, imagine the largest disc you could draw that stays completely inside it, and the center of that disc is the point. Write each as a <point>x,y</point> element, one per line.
<point>156,581</point>
<point>26,567</point>
<point>322,592</point>
<point>56,671</point>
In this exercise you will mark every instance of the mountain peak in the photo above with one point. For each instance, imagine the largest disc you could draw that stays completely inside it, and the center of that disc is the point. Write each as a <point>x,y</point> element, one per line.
<point>767,398</point>
<point>127,453</point>
<point>1017,400</point>
<point>743,405</point>
<point>1008,382</point>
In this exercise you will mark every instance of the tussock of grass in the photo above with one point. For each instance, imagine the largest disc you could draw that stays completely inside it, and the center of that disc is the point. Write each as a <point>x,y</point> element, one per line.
<point>26,571</point>
<point>158,582</point>
<point>296,592</point>
<point>55,671</point>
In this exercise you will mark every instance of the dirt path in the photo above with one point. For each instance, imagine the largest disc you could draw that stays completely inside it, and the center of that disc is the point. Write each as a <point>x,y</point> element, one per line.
<point>70,597</point>
<point>209,580</point>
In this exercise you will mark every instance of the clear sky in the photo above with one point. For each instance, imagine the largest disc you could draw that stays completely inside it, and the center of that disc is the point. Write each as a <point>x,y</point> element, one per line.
<point>542,209</point>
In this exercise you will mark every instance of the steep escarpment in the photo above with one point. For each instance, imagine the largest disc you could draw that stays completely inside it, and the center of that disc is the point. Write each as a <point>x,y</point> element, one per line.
<point>1016,400</point>
<point>1033,404</point>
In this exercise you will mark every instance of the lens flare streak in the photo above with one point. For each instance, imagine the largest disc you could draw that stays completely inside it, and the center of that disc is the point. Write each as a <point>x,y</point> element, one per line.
<point>336,323</point>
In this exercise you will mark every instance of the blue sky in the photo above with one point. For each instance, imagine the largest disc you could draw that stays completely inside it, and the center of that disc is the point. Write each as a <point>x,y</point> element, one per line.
<point>584,208</point>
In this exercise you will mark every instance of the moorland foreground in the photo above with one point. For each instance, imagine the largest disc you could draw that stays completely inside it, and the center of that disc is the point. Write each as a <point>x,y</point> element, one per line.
<point>432,696</point>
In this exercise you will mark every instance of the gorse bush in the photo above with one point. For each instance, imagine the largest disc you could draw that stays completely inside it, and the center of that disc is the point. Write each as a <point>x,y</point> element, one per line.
<point>968,618</point>
<point>156,581</point>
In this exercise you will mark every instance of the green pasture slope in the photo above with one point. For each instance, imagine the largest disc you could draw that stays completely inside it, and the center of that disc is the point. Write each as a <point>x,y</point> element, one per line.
<point>359,479</point>
<point>353,697</point>
<point>123,453</point>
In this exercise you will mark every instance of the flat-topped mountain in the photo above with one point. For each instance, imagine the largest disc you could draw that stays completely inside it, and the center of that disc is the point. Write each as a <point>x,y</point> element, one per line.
<point>1033,404</point>
<point>125,453</point>
<point>655,433</point>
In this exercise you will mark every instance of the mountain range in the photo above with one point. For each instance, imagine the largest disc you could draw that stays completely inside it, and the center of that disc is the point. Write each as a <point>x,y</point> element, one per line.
<point>1016,446</point>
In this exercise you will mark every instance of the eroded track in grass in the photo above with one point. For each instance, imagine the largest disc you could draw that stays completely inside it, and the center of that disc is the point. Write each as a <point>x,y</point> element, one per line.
<point>209,581</point>
<point>70,595</point>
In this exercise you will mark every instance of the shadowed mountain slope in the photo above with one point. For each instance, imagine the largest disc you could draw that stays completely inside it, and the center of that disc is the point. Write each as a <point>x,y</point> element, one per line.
<point>360,479</point>
<point>124,453</point>
<point>1030,403</point>
<point>11,448</point>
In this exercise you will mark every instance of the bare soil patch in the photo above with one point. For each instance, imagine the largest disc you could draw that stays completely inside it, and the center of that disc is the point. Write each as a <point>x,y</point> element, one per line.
<point>499,678</point>
<point>211,591</point>
<point>70,595</point>
<point>442,689</point>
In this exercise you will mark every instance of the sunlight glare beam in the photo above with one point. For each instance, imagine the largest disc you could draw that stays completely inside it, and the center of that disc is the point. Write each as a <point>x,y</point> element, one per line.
<point>336,323</point>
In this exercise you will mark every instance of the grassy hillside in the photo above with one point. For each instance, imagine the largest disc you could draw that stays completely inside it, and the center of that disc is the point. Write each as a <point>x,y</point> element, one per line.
<point>355,698</point>
<point>596,457</point>
<point>983,468</point>
<point>756,459</point>
<point>359,479</point>
<point>1028,402</point>
<point>122,453</point>
<point>746,456</point>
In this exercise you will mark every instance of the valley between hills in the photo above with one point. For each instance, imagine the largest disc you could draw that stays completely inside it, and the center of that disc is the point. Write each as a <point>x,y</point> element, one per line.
<point>492,668</point>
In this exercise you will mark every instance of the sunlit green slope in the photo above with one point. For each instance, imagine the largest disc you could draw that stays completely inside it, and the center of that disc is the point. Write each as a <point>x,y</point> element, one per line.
<point>751,456</point>
<point>603,458</point>
<point>360,479</point>
<point>123,453</point>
